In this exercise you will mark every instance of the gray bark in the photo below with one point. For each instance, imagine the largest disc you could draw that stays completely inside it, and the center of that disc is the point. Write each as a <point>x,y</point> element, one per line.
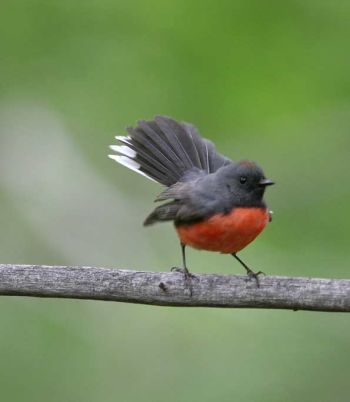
<point>171,288</point>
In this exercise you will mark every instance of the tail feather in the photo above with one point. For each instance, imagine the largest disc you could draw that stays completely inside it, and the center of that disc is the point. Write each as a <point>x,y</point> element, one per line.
<point>199,146</point>
<point>215,160</point>
<point>131,164</point>
<point>147,148</point>
<point>153,134</point>
<point>177,137</point>
<point>164,150</point>
<point>137,158</point>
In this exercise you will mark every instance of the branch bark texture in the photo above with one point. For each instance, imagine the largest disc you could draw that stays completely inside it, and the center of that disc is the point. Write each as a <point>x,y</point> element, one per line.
<point>171,288</point>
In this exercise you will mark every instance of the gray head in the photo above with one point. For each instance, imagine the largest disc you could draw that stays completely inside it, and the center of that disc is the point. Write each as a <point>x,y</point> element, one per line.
<point>244,183</point>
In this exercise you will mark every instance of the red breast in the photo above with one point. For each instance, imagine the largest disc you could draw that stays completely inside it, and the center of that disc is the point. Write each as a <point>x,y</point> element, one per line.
<point>225,233</point>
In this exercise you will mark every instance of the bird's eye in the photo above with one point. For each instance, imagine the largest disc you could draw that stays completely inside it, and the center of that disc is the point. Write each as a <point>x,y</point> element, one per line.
<point>242,179</point>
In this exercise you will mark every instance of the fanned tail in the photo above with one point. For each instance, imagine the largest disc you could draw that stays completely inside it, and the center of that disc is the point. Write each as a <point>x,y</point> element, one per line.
<point>164,150</point>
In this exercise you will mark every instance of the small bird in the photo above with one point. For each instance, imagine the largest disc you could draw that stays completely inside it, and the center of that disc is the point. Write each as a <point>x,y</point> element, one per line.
<point>216,204</point>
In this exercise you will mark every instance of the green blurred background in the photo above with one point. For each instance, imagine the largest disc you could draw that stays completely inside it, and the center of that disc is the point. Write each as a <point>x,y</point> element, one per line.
<point>267,81</point>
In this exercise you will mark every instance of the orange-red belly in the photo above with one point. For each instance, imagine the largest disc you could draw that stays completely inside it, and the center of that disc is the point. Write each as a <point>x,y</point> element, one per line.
<point>226,233</point>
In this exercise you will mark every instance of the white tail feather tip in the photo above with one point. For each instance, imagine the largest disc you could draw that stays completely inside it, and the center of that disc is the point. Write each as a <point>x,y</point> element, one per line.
<point>122,138</point>
<point>129,163</point>
<point>124,150</point>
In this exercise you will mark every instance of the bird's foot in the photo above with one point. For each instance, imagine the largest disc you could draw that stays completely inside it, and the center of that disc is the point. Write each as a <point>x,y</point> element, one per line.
<point>187,277</point>
<point>254,275</point>
<point>184,271</point>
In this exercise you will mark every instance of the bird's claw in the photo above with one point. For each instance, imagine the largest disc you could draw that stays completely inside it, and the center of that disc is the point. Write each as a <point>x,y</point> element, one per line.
<point>255,275</point>
<point>187,277</point>
<point>184,271</point>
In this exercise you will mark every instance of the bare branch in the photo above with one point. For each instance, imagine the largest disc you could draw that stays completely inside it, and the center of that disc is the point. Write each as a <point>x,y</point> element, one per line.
<point>170,288</point>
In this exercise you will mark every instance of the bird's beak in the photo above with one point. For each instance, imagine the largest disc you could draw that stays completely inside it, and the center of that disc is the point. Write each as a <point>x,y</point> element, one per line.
<point>266,182</point>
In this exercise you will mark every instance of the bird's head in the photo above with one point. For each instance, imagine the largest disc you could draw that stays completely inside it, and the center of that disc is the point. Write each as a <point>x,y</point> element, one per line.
<point>245,181</point>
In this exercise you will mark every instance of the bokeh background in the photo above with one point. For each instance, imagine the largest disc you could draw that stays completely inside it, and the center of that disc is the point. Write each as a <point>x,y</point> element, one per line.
<point>267,81</point>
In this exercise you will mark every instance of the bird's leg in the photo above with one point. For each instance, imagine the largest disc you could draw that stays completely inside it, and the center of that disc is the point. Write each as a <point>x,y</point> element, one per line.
<point>184,270</point>
<point>250,273</point>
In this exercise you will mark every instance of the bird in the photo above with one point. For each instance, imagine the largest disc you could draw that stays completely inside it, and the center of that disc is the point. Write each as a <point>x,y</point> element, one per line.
<point>215,203</point>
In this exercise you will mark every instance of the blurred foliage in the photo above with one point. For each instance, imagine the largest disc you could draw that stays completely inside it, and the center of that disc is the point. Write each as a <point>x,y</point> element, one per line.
<point>267,81</point>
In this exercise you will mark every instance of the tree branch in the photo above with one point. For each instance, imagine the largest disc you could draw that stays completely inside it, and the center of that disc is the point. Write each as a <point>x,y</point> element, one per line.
<point>170,288</point>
